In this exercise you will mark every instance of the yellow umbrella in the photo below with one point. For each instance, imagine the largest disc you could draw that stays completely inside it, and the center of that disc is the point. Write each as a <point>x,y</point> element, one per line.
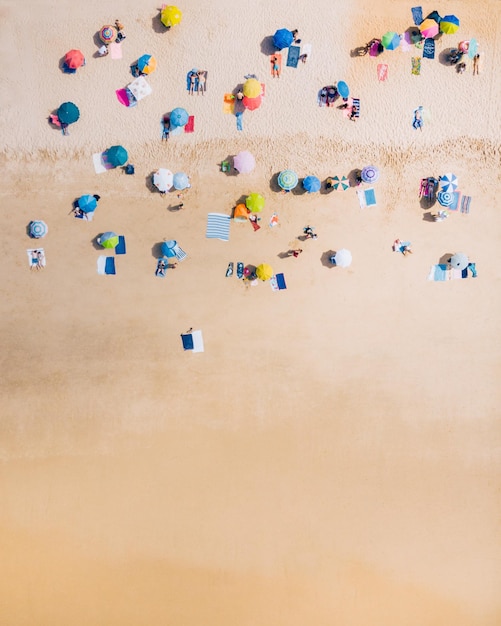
<point>264,271</point>
<point>252,88</point>
<point>170,16</point>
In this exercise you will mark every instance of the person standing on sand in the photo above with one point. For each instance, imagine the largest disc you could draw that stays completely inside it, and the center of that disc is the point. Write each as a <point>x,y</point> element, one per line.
<point>201,81</point>
<point>476,64</point>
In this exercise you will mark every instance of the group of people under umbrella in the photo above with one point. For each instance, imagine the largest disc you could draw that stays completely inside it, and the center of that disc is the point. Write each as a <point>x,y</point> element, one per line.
<point>288,180</point>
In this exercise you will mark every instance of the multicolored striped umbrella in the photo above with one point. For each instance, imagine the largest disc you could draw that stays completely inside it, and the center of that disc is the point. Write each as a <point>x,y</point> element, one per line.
<point>170,16</point>
<point>448,182</point>
<point>312,184</point>
<point>449,24</point>
<point>108,240</point>
<point>287,180</point>
<point>390,40</point>
<point>445,198</point>
<point>108,34</point>
<point>429,28</point>
<point>370,174</point>
<point>38,229</point>
<point>147,64</point>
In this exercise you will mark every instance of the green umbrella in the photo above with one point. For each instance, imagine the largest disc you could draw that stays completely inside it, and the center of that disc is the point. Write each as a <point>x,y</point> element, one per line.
<point>117,155</point>
<point>254,202</point>
<point>340,184</point>
<point>68,113</point>
<point>108,240</point>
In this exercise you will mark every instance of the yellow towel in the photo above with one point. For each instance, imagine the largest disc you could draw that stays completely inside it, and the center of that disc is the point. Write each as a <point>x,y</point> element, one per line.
<point>228,103</point>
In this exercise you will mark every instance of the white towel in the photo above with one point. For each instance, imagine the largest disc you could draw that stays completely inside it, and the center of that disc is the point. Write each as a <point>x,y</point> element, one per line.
<point>32,262</point>
<point>306,49</point>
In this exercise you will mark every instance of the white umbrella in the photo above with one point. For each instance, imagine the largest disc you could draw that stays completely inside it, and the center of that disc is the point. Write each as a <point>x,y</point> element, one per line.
<point>459,261</point>
<point>342,258</point>
<point>448,182</point>
<point>163,180</point>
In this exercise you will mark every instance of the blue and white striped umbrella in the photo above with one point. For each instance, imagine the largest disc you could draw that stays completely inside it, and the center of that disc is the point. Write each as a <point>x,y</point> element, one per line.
<point>38,229</point>
<point>448,182</point>
<point>287,180</point>
<point>445,198</point>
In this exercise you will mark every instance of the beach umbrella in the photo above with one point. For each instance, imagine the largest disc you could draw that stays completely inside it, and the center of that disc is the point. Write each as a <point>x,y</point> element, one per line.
<point>87,203</point>
<point>429,28</point>
<point>282,38</point>
<point>449,24</point>
<point>264,271</point>
<point>179,117</point>
<point>342,258</point>
<point>108,240</point>
<point>168,248</point>
<point>252,103</point>
<point>108,34</point>
<point>390,40</point>
<point>68,113</point>
<point>312,184</point>
<point>340,184</point>
<point>287,180</point>
<point>445,198</point>
<point>370,174</point>
<point>74,59</point>
<point>459,261</point>
<point>117,155</point>
<point>254,202</point>
<point>448,182</point>
<point>147,64</point>
<point>181,181</point>
<point>240,214</point>
<point>252,88</point>
<point>343,89</point>
<point>244,162</point>
<point>38,229</point>
<point>163,179</point>
<point>170,16</point>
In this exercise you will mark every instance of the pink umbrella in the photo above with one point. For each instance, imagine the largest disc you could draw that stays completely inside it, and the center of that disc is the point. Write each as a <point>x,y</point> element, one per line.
<point>429,28</point>
<point>244,162</point>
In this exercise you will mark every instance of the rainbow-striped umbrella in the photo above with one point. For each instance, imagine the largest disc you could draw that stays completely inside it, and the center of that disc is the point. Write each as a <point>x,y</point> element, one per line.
<point>108,34</point>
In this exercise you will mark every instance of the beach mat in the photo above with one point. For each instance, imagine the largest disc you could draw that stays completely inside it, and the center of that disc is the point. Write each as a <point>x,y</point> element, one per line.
<point>100,162</point>
<point>279,62</point>
<point>218,226</point>
<point>115,49</point>
<point>356,106</point>
<point>175,130</point>
<point>429,49</point>
<point>106,265</point>
<point>193,341</point>
<point>120,248</point>
<point>190,124</point>
<point>465,204</point>
<point>417,15</point>
<point>277,282</point>
<point>293,56</point>
<point>188,80</point>
<point>366,197</point>
<point>382,72</point>
<point>228,103</point>
<point>122,97</point>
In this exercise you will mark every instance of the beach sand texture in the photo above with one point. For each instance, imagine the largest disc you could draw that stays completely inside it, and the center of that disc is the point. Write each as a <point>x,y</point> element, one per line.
<point>333,455</point>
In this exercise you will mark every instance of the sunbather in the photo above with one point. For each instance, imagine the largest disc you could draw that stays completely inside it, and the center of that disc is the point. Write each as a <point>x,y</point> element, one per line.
<point>193,82</point>
<point>331,95</point>
<point>275,67</point>
<point>323,97</point>
<point>161,268</point>
<point>295,36</point>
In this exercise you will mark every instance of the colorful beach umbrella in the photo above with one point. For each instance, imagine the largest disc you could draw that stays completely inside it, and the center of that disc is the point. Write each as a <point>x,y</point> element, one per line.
<point>343,89</point>
<point>459,261</point>
<point>282,38</point>
<point>445,198</point>
<point>181,181</point>
<point>390,40</point>
<point>108,34</point>
<point>87,203</point>
<point>264,271</point>
<point>147,64</point>
<point>429,28</point>
<point>170,16</point>
<point>252,103</point>
<point>340,184</point>
<point>252,88</point>
<point>287,180</point>
<point>74,59</point>
<point>163,179</point>
<point>370,174</point>
<point>254,202</point>
<point>312,184</point>
<point>448,182</point>
<point>343,258</point>
<point>244,162</point>
<point>108,240</point>
<point>179,117</point>
<point>38,229</point>
<point>68,113</point>
<point>117,155</point>
<point>240,214</point>
<point>449,24</point>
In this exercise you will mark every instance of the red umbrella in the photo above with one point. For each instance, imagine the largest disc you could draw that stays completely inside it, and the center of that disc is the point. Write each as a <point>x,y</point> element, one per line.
<point>74,59</point>
<point>252,103</point>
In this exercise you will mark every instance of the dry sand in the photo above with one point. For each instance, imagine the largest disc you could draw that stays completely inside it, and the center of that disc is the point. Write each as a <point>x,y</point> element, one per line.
<point>333,455</point>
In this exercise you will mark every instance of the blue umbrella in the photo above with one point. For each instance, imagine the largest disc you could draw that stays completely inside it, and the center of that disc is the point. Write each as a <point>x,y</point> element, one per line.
<point>370,174</point>
<point>445,198</point>
<point>181,181</point>
<point>343,89</point>
<point>168,248</point>
<point>38,229</point>
<point>87,203</point>
<point>68,113</point>
<point>282,38</point>
<point>179,117</point>
<point>312,184</point>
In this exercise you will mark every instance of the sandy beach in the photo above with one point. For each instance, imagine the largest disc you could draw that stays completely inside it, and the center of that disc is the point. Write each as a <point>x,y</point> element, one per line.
<point>332,457</point>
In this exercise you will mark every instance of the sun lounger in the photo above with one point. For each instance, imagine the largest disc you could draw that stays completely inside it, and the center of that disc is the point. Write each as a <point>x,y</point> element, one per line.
<point>106,265</point>
<point>115,49</point>
<point>192,73</point>
<point>239,120</point>
<point>306,50</point>
<point>240,269</point>
<point>356,106</point>
<point>293,56</point>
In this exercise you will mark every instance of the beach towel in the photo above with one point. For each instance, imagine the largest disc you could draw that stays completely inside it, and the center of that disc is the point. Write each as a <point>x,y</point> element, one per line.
<point>175,130</point>
<point>218,226</point>
<point>366,197</point>
<point>88,217</point>
<point>121,248</point>
<point>33,260</point>
<point>273,220</point>
<point>429,49</point>
<point>100,162</point>
<point>278,55</point>
<point>382,71</point>
<point>254,225</point>
<point>472,48</point>
<point>115,49</point>
<point>306,49</point>
<point>190,124</point>
<point>456,196</point>
<point>277,282</point>
<point>193,341</point>
<point>465,204</point>
<point>356,106</point>
<point>293,56</point>
<point>106,265</point>
<point>228,103</point>
<point>443,272</point>
<point>416,66</point>
<point>417,15</point>
<point>239,120</point>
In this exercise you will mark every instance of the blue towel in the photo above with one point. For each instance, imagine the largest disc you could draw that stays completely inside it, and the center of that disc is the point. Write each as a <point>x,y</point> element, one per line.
<point>218,226</point>
<point>187,341</point>
<point>455,201</point>
<point>293,56</point>
<point>473,268</point>
<point>239,120</point>
<point>440,273</point>
<point>120,248</point>
<point>281,281</point>
<point>472,48</point>
<point>429,49</point>
<point>417,15</point>
<point>109,267</point>
<point>370,197</point>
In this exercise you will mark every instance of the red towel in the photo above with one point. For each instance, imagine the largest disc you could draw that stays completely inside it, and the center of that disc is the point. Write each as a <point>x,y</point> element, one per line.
<point>382,71</point>
<point>190,124</point>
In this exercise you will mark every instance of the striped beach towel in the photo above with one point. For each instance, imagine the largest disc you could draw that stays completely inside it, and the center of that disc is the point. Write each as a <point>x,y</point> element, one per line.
<point>465,204</point>
<point>218,226</point>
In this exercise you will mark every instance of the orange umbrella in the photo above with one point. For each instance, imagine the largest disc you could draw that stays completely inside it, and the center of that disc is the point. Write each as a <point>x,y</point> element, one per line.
<point>241,213</point>
<point>74,59</point>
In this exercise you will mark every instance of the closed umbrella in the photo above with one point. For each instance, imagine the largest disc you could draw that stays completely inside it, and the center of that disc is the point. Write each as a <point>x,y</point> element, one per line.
<point>343,89</point>
<point>287,180</point>
<point>342,258</point>
<point>117,155</point>
<point>68,113</point>
<point>390,40</point>
<point>370,174</point>
<point>252,88</point>
<point>181,181</point>
<point>108,34</point>
<point>38,229</point>
<point>163,179</point>
<point>448,182</point>
<point>264,271</point>
<point>429,28</point>
<point>87,203</point>
<point>244,162</point>
<point>147,64</point>
<point>108,240</point>
<point>282,38</point>
<point>74,59</point>
<point>254,202</point>
<point>179,117</point>
<point>459,261</point>
<point>449,24</point>
<point>340,184</point>
<point>445,198</point>
<point>252,103</point>
<point>312,184</point>
<point>170,16</point>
